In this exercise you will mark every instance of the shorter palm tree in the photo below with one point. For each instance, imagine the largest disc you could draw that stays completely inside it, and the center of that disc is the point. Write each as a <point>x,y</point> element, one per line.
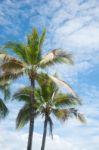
<point>48,101</point>
<point>54,103</point>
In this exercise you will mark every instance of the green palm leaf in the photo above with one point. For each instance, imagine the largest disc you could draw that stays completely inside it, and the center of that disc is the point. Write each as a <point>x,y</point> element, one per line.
<point>42,38</point>
<point>18,48</point>
<point>3,109</point>
<point>23,94</point>
<point>33,44</point>
<point>65,100</point>
<point>56,56</point>
<point>5,88</point>
<point>23,116</point>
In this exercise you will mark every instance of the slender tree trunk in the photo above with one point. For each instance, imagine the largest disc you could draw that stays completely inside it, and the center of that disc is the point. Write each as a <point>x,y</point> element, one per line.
<point>44,134</point>
<point>31,123</point>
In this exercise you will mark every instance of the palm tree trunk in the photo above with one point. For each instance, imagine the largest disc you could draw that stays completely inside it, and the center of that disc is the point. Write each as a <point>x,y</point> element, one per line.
<point>31,124</point>
<point>44,134</point>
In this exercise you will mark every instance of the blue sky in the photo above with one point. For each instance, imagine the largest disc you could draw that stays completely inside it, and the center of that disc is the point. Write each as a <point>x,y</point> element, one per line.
<point>72,25</point>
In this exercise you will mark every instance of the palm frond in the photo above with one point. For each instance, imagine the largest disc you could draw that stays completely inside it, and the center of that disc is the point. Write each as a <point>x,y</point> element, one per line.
<point>61,114</point>
<point>3,109</point>
<point>65,99</point>
<point>78,115</point>
<point>42,38</point>
<point>5,88</point>
<point>7,76</point>
<point>64,84</point>
<point>46,84</point>
<point>23,94</point>
<point>33,44</point>
<point>56,56</point>
<point>18,49</point>
<point>23,117</point>
<point>81,118</point>
<point>11,64</point>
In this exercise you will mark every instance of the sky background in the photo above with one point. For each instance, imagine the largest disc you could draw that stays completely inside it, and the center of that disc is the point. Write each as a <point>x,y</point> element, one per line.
<point>72,25</point>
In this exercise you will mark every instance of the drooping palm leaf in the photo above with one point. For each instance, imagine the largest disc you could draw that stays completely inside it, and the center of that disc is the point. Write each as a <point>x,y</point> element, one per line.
<point>3,109</point>
<point>5,88</point>
<point>64,84</point>
<point>23,116</point>
<point>81,118</point>
<point>61,114</point>
<point>78,115</point>
<point>12,64</point>
<point>7,76</point>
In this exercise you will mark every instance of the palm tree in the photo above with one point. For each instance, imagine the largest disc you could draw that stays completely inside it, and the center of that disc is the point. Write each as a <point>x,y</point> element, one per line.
<point>28,60</point>
<point>49,101</point>
<point>53,102</point>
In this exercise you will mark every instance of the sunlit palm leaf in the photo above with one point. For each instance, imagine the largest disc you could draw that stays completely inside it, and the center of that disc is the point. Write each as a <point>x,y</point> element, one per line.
<point>56,56</point>
<point>64,84</point>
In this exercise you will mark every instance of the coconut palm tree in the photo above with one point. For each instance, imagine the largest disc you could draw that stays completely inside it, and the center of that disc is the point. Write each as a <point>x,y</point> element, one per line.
<point>48,101</point>
<point>28,60</point>
<point>53,102</point>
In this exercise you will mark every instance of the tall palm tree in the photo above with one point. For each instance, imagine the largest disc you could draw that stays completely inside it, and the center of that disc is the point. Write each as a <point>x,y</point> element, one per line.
<point>49,101</point>
<point>28,60</point>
